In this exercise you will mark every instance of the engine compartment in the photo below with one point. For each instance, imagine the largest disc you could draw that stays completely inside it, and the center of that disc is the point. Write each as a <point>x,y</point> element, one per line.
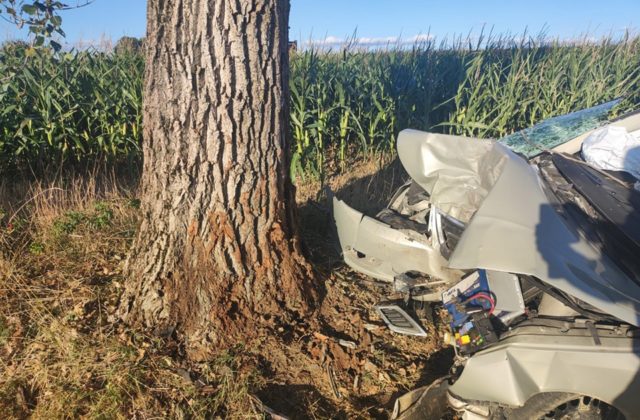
<point>481,305</point>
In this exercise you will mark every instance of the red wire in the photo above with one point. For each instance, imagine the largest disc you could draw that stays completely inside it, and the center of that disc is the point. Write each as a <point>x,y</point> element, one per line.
<point>485,296</point>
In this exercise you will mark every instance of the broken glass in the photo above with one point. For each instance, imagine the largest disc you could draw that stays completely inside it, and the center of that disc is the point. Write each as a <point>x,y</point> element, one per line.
<point>555,131</point>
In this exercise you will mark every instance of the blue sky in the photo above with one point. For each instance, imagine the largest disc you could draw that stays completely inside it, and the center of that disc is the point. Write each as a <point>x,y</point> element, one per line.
<point>378,21</point>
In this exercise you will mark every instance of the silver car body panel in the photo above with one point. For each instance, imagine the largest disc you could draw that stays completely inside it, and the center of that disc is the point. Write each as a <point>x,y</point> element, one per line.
<point>382,252</point>
<point>529,363</point>
<point>456,172</point>
<point>512,227</point>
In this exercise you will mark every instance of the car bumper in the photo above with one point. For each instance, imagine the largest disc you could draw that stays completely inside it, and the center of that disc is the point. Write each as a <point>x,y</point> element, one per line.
<point>380,251</point>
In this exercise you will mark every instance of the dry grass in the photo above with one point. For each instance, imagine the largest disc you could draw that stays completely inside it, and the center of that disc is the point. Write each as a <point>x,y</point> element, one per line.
<point>64,354</point>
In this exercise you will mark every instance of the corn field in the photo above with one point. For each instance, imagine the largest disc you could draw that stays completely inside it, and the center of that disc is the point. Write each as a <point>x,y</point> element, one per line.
<point>79,108</point>
<point>84,108</point>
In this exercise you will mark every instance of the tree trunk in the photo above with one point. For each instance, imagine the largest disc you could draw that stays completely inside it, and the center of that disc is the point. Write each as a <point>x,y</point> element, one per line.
<point>217,250</point>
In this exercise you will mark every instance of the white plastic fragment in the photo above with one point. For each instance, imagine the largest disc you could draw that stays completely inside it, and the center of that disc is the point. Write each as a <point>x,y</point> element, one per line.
<point>347,344</point>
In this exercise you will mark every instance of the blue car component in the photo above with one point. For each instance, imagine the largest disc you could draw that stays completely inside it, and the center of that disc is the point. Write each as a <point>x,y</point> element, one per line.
<point>471,294</point>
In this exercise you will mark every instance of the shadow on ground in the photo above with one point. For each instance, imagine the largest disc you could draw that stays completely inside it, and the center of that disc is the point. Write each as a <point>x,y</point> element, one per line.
<point>300,401</point>
<point>367,188</point>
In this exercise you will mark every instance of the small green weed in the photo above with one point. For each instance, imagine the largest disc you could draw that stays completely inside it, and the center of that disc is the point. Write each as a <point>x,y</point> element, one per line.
<point>134,203</point>
<point>68,223</point>
<point>36,248</point>
<point>102,215</point>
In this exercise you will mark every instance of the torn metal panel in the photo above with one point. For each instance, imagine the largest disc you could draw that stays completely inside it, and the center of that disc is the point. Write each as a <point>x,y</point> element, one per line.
<point>517,230</point>
<point>380,251</point>
<point>457,172</point>
<point>429,402</point>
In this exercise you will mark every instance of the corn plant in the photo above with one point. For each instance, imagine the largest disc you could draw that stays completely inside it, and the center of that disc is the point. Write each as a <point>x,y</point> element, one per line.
<point>84,107</point>
<point>77,108</point>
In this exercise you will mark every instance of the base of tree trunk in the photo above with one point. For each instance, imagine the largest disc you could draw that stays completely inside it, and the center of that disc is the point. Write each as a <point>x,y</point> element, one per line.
<point>208,310</point>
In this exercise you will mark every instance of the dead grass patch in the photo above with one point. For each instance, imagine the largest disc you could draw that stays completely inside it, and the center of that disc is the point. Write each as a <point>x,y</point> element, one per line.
<point>63,352</point>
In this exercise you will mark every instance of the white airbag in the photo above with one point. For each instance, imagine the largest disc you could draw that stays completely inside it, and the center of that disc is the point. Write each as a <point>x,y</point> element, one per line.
<point>613,148</point>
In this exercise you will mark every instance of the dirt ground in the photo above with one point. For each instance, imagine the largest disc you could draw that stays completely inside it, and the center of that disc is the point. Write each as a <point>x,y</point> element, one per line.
<point>353,367</point>
<point>64,354</point>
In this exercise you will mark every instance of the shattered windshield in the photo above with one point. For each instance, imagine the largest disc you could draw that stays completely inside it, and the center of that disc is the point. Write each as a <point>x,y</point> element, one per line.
<point>555,131</point>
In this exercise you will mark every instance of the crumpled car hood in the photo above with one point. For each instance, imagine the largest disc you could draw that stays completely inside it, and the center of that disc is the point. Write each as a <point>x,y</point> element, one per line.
<point>511,224</point>
<point>457,172</point>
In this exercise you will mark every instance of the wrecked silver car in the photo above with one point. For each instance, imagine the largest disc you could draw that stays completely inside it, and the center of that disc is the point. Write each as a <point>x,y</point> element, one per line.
<point>534,257</point>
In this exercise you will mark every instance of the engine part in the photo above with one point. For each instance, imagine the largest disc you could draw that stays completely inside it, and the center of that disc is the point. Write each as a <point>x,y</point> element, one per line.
<point>475,334</point>
<point>491,287</point>
<point>550,306</point>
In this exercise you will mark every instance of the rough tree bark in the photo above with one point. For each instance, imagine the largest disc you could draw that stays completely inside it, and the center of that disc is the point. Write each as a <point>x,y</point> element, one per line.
<point>217,249</point>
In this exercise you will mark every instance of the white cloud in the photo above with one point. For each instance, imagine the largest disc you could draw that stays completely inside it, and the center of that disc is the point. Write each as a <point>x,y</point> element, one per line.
<point>419,38</point>
<point>329,40</point>
<point>334,41</point>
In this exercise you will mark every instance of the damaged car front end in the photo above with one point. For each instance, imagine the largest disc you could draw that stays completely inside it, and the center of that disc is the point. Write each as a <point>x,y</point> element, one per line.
<point>533,256</point>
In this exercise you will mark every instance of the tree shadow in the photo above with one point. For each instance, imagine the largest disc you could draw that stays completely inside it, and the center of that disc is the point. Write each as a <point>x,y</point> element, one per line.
<point>564,228</point>
<point>438,365</point>
<point>371,193</point>
<point>368,193</point>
